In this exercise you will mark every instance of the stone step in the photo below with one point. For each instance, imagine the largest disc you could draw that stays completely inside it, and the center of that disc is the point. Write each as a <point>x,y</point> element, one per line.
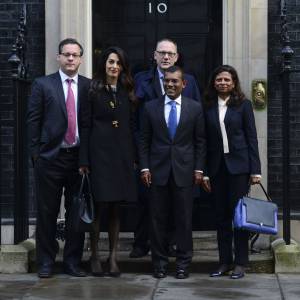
<point>205,257</point>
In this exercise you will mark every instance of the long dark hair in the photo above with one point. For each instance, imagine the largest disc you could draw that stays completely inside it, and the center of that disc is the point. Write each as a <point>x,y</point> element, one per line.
<point>236,97</point>
<point>125,78</point>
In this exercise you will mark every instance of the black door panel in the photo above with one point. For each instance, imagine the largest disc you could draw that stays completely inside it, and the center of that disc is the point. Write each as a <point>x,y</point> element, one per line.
<point>136,25</point>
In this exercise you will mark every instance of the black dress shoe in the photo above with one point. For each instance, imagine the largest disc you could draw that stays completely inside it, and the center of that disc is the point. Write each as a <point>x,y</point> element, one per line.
<point>160,273</point>
<point>221,271</point>
<point>238,272</point>
<point>181,274</point>
<point>74,270</point>
<point>45,271</point>
<point>138,252</point>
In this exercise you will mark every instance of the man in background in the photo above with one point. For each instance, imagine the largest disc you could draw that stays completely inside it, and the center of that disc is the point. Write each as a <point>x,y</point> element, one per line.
<point>149,86</point>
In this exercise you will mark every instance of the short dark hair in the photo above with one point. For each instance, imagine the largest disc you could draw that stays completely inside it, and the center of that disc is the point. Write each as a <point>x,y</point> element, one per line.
<point>174,69</point>
<point>68,41</point>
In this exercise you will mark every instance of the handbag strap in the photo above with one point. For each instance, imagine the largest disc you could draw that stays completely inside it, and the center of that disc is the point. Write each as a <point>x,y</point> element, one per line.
<point>262,187</point>
<point>82,184</point>
<point>88,182</point>
<point>268,197</point>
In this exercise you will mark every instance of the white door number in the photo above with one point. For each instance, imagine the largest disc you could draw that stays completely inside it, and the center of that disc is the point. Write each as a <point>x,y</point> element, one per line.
<point>161,8</point>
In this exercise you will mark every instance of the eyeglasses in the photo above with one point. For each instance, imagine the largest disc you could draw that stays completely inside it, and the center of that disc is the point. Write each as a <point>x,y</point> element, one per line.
<point>164,53</point>
<point>68,55</point>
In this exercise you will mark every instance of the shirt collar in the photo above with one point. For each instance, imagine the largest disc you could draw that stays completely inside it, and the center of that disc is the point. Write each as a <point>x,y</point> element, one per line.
<point>222,102</point>
<point>64,76</point>
<point>177,100</point>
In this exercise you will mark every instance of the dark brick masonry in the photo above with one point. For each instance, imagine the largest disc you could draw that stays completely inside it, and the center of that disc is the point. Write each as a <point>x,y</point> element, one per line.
<point>274,106</point>
<point>9,18</point>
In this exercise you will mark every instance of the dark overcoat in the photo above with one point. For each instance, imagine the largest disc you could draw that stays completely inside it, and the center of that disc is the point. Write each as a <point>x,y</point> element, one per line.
<point>109,150</point>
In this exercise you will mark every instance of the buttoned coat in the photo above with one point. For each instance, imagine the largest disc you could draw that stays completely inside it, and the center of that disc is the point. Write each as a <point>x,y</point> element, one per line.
<point>243,156</point>
<point>108,150</point>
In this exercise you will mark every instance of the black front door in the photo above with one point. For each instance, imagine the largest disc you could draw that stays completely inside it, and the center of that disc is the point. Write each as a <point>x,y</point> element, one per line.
<point>136,26</point>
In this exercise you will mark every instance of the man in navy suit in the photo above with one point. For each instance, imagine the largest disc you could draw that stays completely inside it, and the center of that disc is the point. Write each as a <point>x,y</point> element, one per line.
<point>149,86</point>
<point>54,130</point>
<point>172,155</point>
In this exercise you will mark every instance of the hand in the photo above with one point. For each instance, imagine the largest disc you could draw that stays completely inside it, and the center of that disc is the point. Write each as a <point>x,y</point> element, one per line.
<point>84,170</point>
<point>146,178</point>
<point>255,180</point>
<point>206,185</point>
<point>198,178</point>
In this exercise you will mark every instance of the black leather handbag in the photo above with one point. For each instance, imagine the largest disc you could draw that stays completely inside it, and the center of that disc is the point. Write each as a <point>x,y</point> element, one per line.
<point>82,212</point>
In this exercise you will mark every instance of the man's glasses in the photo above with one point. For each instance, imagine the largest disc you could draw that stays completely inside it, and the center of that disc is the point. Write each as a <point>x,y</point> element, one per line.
<point>164,53</point>
<point>68,55</point>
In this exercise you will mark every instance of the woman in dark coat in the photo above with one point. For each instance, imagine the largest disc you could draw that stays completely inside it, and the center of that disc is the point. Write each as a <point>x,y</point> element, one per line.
<point>107,150</point>
<point>232,162</point>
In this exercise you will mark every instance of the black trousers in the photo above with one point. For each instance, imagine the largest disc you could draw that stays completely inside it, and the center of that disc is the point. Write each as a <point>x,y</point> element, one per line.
<point>166,200</point>
<point>227,189</point>
<point>52,178</point>
<point>141,234</point>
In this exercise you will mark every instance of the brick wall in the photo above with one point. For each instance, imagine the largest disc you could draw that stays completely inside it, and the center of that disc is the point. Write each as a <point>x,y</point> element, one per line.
<point>9,18</point>
<point>274,107</point>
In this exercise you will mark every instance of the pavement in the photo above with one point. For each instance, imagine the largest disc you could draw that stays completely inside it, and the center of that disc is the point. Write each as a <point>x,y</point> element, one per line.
<point>144,287</point>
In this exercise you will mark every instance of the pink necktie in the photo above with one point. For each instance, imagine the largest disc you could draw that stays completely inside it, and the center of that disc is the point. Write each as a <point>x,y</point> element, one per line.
<point>71,111</point>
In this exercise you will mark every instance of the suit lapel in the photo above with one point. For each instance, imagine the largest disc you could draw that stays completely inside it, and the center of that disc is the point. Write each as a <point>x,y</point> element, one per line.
<point>184,113</point>
<point>79,96</point>
<point>216,117</point>
<point>160,112</point>
<point>157,86</point>
<point>60,93</point>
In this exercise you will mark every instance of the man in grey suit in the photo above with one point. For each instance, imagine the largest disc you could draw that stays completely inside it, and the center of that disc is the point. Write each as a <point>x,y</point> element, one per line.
<point>172,156</point>
<point>53,131</point>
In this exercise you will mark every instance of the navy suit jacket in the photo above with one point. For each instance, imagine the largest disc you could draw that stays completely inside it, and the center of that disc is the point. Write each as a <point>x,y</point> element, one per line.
<point>184,154</point>
<point>47,119</point>
<point>243,156</point>
<point>147,86</point>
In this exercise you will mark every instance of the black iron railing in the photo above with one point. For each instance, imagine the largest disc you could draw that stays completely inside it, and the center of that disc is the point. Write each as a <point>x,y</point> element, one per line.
<point>287,68</point>
<point>20,85</point>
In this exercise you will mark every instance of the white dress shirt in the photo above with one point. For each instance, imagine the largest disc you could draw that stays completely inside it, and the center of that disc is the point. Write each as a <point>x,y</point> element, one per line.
<point>74,86</point>
<point>222,105</point>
